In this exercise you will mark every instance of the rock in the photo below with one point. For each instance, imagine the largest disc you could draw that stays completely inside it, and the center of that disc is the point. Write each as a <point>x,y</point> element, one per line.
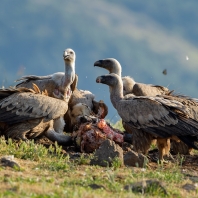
<point>96,186</point>
<point>131,158</point>
<point>151,187</point>
<point>9,161</point>
<point>107,153</point>
<point>189,187</point>
<point>193,178</point>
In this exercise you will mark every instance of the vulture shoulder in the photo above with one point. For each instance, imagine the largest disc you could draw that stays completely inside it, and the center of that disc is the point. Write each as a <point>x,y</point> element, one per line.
<point>29,78</point>
<point>48,83</point>
<point>163,90</point>
<point>141,89</point>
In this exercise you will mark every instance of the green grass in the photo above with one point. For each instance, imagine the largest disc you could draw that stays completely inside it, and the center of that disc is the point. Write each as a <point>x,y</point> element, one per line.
<point>47,172</point>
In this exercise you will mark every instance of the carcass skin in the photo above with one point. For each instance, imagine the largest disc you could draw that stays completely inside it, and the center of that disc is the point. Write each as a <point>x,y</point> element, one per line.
<point>152,117</point>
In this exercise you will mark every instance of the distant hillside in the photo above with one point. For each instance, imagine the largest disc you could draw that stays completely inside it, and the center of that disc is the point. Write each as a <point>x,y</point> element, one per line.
<point>146,37</point>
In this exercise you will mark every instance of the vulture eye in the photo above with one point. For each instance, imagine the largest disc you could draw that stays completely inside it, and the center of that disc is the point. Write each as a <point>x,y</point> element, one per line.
<point>71,52</point>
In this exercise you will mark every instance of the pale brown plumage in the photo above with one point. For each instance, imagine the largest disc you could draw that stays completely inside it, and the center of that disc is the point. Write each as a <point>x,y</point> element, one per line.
<point>58,85</point>
<point>152,117</point>
<point>129,85</point>
<point>141,89</point>
<point>80,103</point>
<point>82,96</point>
<point>138,89</point>
<point>26,113</point>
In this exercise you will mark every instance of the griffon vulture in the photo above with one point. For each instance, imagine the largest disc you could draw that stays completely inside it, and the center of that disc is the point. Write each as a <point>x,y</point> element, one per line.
<point>152,117</point>
<point>63,86</point>
<point>58,85</point>
<point>27,113</point>
<point>138,89</point>
<point>129,85</point>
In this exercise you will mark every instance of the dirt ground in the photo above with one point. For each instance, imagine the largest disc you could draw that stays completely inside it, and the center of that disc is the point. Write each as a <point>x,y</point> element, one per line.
<point>188,163</point>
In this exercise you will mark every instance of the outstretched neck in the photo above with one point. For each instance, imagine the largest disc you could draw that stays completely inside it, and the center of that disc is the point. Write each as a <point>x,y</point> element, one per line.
<point>118,71</point>
<point>116,94</point>
<point>69,74</point>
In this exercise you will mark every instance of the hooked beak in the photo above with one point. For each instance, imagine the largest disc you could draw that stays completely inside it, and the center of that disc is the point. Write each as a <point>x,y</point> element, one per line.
<point>66,56</point>
<point>99,63</point>
<point>99,79</point>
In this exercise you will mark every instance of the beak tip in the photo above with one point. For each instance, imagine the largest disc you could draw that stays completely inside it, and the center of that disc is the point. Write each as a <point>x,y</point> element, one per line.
<point>98,63</point>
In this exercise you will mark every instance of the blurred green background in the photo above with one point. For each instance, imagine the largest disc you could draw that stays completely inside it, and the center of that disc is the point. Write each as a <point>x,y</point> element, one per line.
<point>146,37</point>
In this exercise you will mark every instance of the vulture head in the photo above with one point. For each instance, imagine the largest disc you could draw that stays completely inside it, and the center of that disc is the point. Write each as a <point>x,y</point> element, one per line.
<point>128,84</point>
<point>112,80</point>
<point>69,56</point>
<point>111,64</point>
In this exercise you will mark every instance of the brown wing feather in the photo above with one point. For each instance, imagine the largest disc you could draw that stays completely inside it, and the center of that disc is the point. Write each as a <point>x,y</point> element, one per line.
<point>158,116</point>
<point>141,89</point>
<point>25,106</point>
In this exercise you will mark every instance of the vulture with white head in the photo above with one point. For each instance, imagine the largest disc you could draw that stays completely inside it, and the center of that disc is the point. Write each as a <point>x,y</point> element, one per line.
<point>58,85</point>
<point>152,117</point>
<point>62,85</point>
<point>28,113</point>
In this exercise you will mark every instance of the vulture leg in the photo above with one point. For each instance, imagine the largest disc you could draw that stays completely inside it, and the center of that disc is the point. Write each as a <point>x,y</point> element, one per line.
<point>52,135</point>
<point>27,129</point>
<point>18,132</point>
<point>59,125</point>
<point>145,143</point>
<point>163,145</point>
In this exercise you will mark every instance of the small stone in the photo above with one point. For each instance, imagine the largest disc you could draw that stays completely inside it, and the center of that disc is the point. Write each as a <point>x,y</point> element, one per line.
<point>189,187</point>
<point>131,158</point>
<point>96,186</point>
<point>106,153</point>
<point>9,161</point>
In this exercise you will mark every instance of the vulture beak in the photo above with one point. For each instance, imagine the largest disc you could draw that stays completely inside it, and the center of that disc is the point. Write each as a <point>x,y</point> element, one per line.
<point>66,55</point>
<point>99,79</point>
<point>106,79</point>
<point>102,79</point>
<point>99,63</point>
